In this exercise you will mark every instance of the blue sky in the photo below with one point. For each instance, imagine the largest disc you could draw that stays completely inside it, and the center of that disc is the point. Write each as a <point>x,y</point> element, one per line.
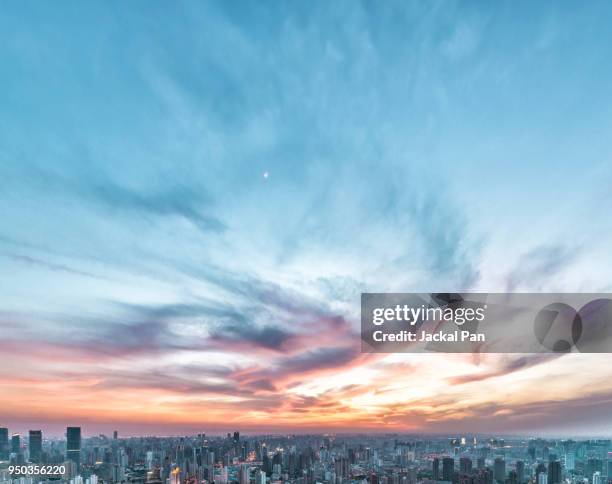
<point>407,146</point>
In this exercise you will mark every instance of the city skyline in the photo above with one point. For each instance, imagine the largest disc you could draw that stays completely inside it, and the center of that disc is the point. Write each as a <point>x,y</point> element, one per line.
<point>194,197</point>
<point>307,459</point>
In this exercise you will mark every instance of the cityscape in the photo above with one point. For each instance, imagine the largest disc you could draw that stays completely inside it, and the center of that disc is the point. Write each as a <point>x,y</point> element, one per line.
<point>195,196</point>
<point>302,459</point>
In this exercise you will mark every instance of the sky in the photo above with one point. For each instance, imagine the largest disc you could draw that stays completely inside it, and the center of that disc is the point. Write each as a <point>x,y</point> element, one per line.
<point>193,196</point>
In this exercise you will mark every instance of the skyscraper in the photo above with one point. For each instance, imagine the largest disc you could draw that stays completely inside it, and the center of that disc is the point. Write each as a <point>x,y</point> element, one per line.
<point>465,465</point>
<point>244,474</point>
<point>35,445</point>
<point>448,468</point>
<point>15,444</point>
<point>593,466</point>
<point>499,468</point>
<point>435,471</point>
<point>554,472</point>
<point>512,477</point>
<point>520,471</point>
<point>4,444</point>
<point>73,445</point>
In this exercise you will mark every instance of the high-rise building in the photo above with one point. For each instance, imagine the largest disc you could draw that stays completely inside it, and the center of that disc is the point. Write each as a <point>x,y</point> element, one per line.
<point>4,444</point>
<point>35,445</point>
<point>115,435</point>
<point>465,465</point>
<point>512,477</point>
<point>448,468</point>
<point>542,478</point>
<point>554,472</point>
<point>570,461</point>
<point>593,466</point>
<point>341,466</point>
<point>597,478</point>
<point>175,476</point>
<point>222,478</point>
<point>261,477</point>
<point>435,471</point>
<point>73,445</point>
<point>499,469</point>
<point>244,474</point>
<point>520,471</point>
<point>236,436</point>
<point>15,444</point>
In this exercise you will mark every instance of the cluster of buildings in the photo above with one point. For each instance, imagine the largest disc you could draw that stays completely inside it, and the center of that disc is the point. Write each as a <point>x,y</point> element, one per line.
<point>301,459</point>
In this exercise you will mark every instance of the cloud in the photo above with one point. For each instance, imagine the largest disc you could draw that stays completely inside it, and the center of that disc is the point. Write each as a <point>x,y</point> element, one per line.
<point>505,367</point>
<point>179,201</point>
<point>52,266</point>
<point>537,267</point>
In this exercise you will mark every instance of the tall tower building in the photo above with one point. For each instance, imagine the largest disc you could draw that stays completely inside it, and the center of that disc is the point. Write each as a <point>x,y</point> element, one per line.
<point>448,468</point>
<point>435,471</point>
<point>499,469</point>
<point>35,444</point>
<point>465,465</point>
<point>244,474</point>
<point>554,472</point>
<point>570,461</point>
<point>15,444</point>
<point>73,445</point>
<point>4,444</point>
<point>520,471</point>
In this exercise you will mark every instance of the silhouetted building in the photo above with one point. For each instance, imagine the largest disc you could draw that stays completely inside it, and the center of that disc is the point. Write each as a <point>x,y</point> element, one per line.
<point>435,469</point>
<point>554,472</point>
<point>35,445</point>
<point>465,465</point>
<point>499,470</point>
<point>520,472</point>
<point>512,478</point>
<point>73,445</point>
<point>448,468</point>
<point>15,444</point>
<point>4,444</point>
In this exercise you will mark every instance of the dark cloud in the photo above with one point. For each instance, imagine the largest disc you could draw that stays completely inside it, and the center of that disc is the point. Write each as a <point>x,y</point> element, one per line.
<point>507,366</point>
<point>306,362</point>
<point>267,337</point>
